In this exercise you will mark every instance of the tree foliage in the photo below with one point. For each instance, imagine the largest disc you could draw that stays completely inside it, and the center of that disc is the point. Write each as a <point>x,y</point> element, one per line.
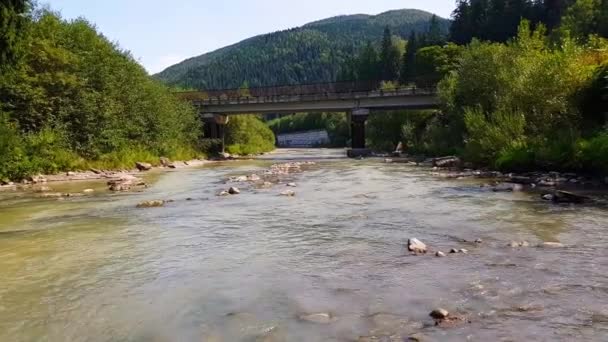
<point>314,53</point>
<point>78,95</point>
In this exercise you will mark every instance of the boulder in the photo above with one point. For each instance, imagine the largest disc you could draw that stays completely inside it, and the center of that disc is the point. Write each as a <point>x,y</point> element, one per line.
<point>165,162</point>
<point>143,166</point>
<point>440,254</point>
<point>447,162</point>
<point>223,193</point>
<point>463,251</point>
<point>453,251</point>
<point>151,204</point>
<point>225,156</point>
<point>416,246</point>
<point>478,241</point>
<point>234,191</point>
<point>319,318</point>
<point>70,173</point>
<point>439,313</point>
<point>568,197</point>
<point>291,185</point>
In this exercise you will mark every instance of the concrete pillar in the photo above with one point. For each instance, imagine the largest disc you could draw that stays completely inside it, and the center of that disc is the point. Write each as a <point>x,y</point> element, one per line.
<point>358,117</point>
<point>215,126</point>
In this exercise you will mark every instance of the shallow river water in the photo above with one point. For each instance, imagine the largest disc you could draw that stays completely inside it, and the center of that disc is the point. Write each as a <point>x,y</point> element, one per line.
<point>244,268</point>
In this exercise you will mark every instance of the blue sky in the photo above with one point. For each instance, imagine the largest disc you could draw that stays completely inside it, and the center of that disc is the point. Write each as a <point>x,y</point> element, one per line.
<point>162,33</point>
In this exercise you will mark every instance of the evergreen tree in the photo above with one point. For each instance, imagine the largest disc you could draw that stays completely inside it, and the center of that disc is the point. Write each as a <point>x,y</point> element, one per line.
<point>389,57</point>
<point>369,64</point>
<point>434,36</point>
<point>408,66</point>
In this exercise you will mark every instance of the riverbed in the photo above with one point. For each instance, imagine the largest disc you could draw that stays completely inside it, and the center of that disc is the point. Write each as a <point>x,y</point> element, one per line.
<point>249,267</point>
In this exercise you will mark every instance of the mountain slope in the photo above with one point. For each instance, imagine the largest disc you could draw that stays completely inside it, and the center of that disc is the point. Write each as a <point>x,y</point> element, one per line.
<point>308,54</point>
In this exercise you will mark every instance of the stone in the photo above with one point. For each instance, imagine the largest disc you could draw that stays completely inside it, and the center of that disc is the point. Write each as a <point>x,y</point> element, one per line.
<point>516,244</point>
<point>42,189</point>
<point>291,185</point>
<point>70,173</point>
<point>288,193</point>
<point>96,171</point>
<point>88,191</point>
<point>223,193</point>
<point>521,180</point>
<point>36,179</point>
<point>416,246</point>
<point>151,204</point>
<point>388,160</point>
<point>508,187</point>
<point>463,251</point>
<point>453,251</point>
<point>440,254</point>
<point>479,241</point>
<point>319,318</point>
<point>234,191</point>
<point>568,197</point>
<point>165,162</point>
<point>51,195</point>
<point>143,166</point>
<point>551,245</point>
<point>225,156</point>
<point>447,162</point>
<point>547,197</point>
<point>120,187</point>
<point>439,313</point>
<point>253,178</point>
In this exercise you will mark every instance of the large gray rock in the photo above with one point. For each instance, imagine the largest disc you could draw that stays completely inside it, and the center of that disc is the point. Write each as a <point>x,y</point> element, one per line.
<point>416,246</point>
<point>447,162</point>
<point>143,166</point>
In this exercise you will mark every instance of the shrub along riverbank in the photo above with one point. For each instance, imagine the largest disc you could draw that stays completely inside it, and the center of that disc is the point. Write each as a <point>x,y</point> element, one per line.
<point>71,99</point>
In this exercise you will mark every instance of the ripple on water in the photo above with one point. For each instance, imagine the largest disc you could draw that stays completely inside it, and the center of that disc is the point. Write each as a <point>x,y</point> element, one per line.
<point>245,267</point>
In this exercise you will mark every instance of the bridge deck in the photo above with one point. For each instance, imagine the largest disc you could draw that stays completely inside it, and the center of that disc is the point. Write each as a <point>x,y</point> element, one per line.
<point>269,100</point>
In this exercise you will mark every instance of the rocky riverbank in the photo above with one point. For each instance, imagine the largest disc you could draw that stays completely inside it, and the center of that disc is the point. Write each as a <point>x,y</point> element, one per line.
<point>558,187</point>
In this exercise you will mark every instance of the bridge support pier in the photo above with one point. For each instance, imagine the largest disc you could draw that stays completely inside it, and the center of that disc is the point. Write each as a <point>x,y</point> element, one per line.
<point>358,117</point>
<point>215,127</point>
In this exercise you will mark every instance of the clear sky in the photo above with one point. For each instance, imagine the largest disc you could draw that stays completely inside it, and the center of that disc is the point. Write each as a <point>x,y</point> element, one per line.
<point>162,33</point>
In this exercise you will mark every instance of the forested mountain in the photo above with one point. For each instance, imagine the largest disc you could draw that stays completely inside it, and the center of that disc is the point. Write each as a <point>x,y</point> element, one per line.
<point>312,53</point>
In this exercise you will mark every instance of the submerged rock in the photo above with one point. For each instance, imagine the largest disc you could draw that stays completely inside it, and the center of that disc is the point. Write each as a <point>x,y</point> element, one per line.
<point>440,254</point>
<point>416,246</point>
<point>223,193</point>
<point>439,313</point>
<point>234,191</point>
<point>288,193</point>
<point>319,318</point>
<point>151,204</point>
<point>551,245</point>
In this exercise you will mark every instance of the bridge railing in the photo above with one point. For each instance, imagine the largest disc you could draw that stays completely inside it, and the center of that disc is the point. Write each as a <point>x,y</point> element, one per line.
<point>305,92</point>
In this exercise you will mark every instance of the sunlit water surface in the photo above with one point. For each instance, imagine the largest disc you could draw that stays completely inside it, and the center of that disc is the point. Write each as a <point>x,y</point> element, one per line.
<point>243,268</point>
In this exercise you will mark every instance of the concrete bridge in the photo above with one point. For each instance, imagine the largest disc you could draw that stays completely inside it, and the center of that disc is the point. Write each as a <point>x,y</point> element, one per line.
<point>358,99</point>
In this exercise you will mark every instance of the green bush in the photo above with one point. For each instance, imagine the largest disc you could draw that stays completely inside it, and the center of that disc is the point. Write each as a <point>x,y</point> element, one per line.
<point>247,134</point>
<point>593,153</point>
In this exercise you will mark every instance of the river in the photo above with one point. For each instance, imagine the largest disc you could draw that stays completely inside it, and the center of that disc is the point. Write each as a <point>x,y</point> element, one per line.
<point>246,267</point>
